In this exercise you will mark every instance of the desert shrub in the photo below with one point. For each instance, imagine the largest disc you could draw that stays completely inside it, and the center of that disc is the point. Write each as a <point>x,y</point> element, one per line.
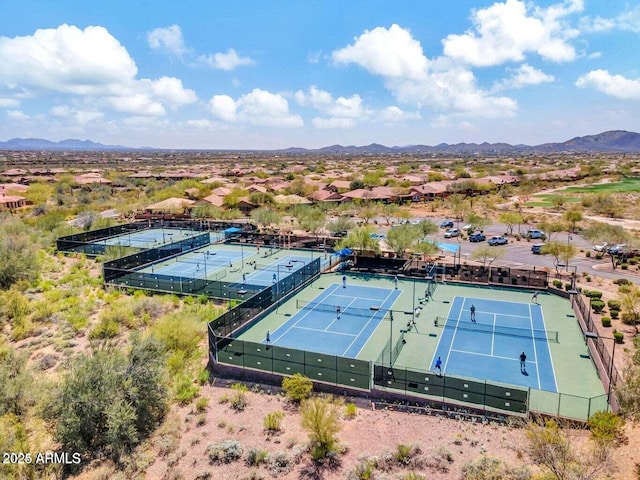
<point>587,254</point>
<point>364,470</point>
<point>439,460</point>
<point>614,304</point>
<point>272,421</point>
<point>404,453</point>
<point>279,463</point>
<point>351,410</point>
<point>256,457</point>
<point>185,390</point>
<point>597,306</point>
<point>297,387</point>
<point>320,418</point>
<point>106,328</point>
<point>227,451</point>
<point>593,294</point>
<point>618,336</point>
<point>203,376</point>
<point>557,283</point>
<point>606,322</point>
<point>624,266</point>
<point>614,314</point>
<point>622,281</point>
<point>238,400</point>
<point>489,468</point>
<point>606,427</point>
<point>202,404</point>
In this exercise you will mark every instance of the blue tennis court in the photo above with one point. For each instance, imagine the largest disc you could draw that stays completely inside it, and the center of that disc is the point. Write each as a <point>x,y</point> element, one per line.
<point>266,275</point>
<point>489,345</point>
<point>339,321</point>
<point>200,263</point>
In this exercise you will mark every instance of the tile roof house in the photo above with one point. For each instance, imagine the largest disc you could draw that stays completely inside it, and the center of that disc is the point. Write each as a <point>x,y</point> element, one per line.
<point>90,178</point>
<point>326,196</point>
<point>170,204</point>
<point>11,202</point>
<point>213,199</point>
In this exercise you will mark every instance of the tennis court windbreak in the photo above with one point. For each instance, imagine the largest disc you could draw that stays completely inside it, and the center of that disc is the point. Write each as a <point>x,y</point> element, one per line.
<point>536,334</point>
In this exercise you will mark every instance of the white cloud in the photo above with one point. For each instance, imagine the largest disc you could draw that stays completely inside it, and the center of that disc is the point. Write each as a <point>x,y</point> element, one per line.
<point>612,85</point>
<point>168,40</point>
<point>506,32</point>
<point>523,76</point>
<point>66,59</point>
<point>8,102</point>
<point>201,123</point>
<point>225,61</point>
<point>258,107</point>
<point>334,122</point>
<point>392,53</point>
<point>324,102</point>
<point>628,20</point>
<point>442,84</point>
<point>17,115</point>
<point>396,114</point>
<point>88,63</point>
<point>80,117</point>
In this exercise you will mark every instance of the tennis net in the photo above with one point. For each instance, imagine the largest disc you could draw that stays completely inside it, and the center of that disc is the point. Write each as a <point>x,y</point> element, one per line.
<point>333,308</point>
<point>536,334</point>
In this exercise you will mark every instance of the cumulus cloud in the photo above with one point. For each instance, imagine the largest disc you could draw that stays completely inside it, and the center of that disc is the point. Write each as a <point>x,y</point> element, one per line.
<point>507,31</point>
<point>90,64</point>
<point>396,114</point>
<point>334,122</point>
<point>17,115</point>
<point>348,107</point>
<point>613,85</point>
<point>167,40</point>
<point>258,107</point>
<point>391,52</point>
<point>80,117</point>
<point>523,76</point>
<point>442,83</point>
<point>225,61</point>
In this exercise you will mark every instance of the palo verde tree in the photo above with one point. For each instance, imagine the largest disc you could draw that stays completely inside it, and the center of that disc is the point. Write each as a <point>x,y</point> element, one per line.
<point>359,240</point>
<point>612,234</point>
<point>487,255</point>
<point>402,237</point>
<point>510,219</point>
<point>560,251</point>
<point>630,301</point>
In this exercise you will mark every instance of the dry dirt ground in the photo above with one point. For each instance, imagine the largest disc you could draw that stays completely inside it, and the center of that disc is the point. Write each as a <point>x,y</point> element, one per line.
<point>446,443</point>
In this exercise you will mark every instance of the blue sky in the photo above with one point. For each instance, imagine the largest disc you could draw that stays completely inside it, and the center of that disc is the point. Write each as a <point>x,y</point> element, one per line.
<point>263,75</point>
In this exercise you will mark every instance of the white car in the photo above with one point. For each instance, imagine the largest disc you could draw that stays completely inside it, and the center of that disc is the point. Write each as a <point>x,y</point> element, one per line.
<point>601,247</point>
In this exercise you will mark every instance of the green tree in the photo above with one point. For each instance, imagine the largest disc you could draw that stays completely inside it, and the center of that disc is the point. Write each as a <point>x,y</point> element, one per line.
<point>612,234</point>
<point>368,211</point>
<point>359,240</point>
<point>630,300</point>
<point>550,227</point>
<point>356,185</point>
<point>312,219</point>
<point>628,392</point>
<point>561,252</point>
<point>321,419</point>
<point>510,219</point>
<point>427,248</point>
<point>573,217</point>
<point>206,211</point>
<point>428,227</point>
<point>261,198</point>
<point>477,220</point>
<point>340,224</point>
<point>487,254</point>
<point>18,259</point>
<point>16,392</point>
<point>263,217</point>
<point>389,211</point>
<point>109,401</point>
<point>402,237</point>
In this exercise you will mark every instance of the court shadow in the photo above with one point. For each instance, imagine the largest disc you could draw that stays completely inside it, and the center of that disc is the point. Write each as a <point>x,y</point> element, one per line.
<point>525,373</point>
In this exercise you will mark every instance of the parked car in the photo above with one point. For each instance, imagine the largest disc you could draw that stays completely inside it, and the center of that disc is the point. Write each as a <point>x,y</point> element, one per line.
<point>534,234</point>
<point>537,248</point>
<point>452,232</point>
<point>617,249</point>
<point>446,224</point>
<point>469,227</point>
<point>477,237</point>
<point>601,247</point>
<point>493,241</point>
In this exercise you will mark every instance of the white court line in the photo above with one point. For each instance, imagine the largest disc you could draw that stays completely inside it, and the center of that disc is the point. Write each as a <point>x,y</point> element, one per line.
<point>535,354</point>
<point>454,335</point>
<point>553,371</point>
<point>297,321</point>
<point>358,298</point>
<point>484,355</point>
<point>342,311</point>
<point>365,326</point>
<point>493,333</point>
<point>316,330</point>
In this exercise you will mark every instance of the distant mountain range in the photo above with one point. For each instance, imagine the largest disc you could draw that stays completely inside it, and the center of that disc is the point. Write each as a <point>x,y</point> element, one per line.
<point>612,141</point>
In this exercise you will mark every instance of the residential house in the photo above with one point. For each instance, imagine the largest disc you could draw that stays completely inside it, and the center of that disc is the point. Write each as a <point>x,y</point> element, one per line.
<point>11,202</point>
<point>171,205</point>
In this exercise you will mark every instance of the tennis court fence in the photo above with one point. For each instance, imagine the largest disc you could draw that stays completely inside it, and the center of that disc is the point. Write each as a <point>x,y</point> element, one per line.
<point>535,334</point>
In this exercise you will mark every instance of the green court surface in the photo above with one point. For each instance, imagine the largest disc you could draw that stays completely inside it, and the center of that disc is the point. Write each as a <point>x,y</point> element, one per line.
<point>579,390</point>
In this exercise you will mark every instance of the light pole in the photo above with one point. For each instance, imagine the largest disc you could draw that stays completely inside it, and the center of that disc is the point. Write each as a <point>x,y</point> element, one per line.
<point>595,336</point>
<point>572,290</point>
<point>376,308</point>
